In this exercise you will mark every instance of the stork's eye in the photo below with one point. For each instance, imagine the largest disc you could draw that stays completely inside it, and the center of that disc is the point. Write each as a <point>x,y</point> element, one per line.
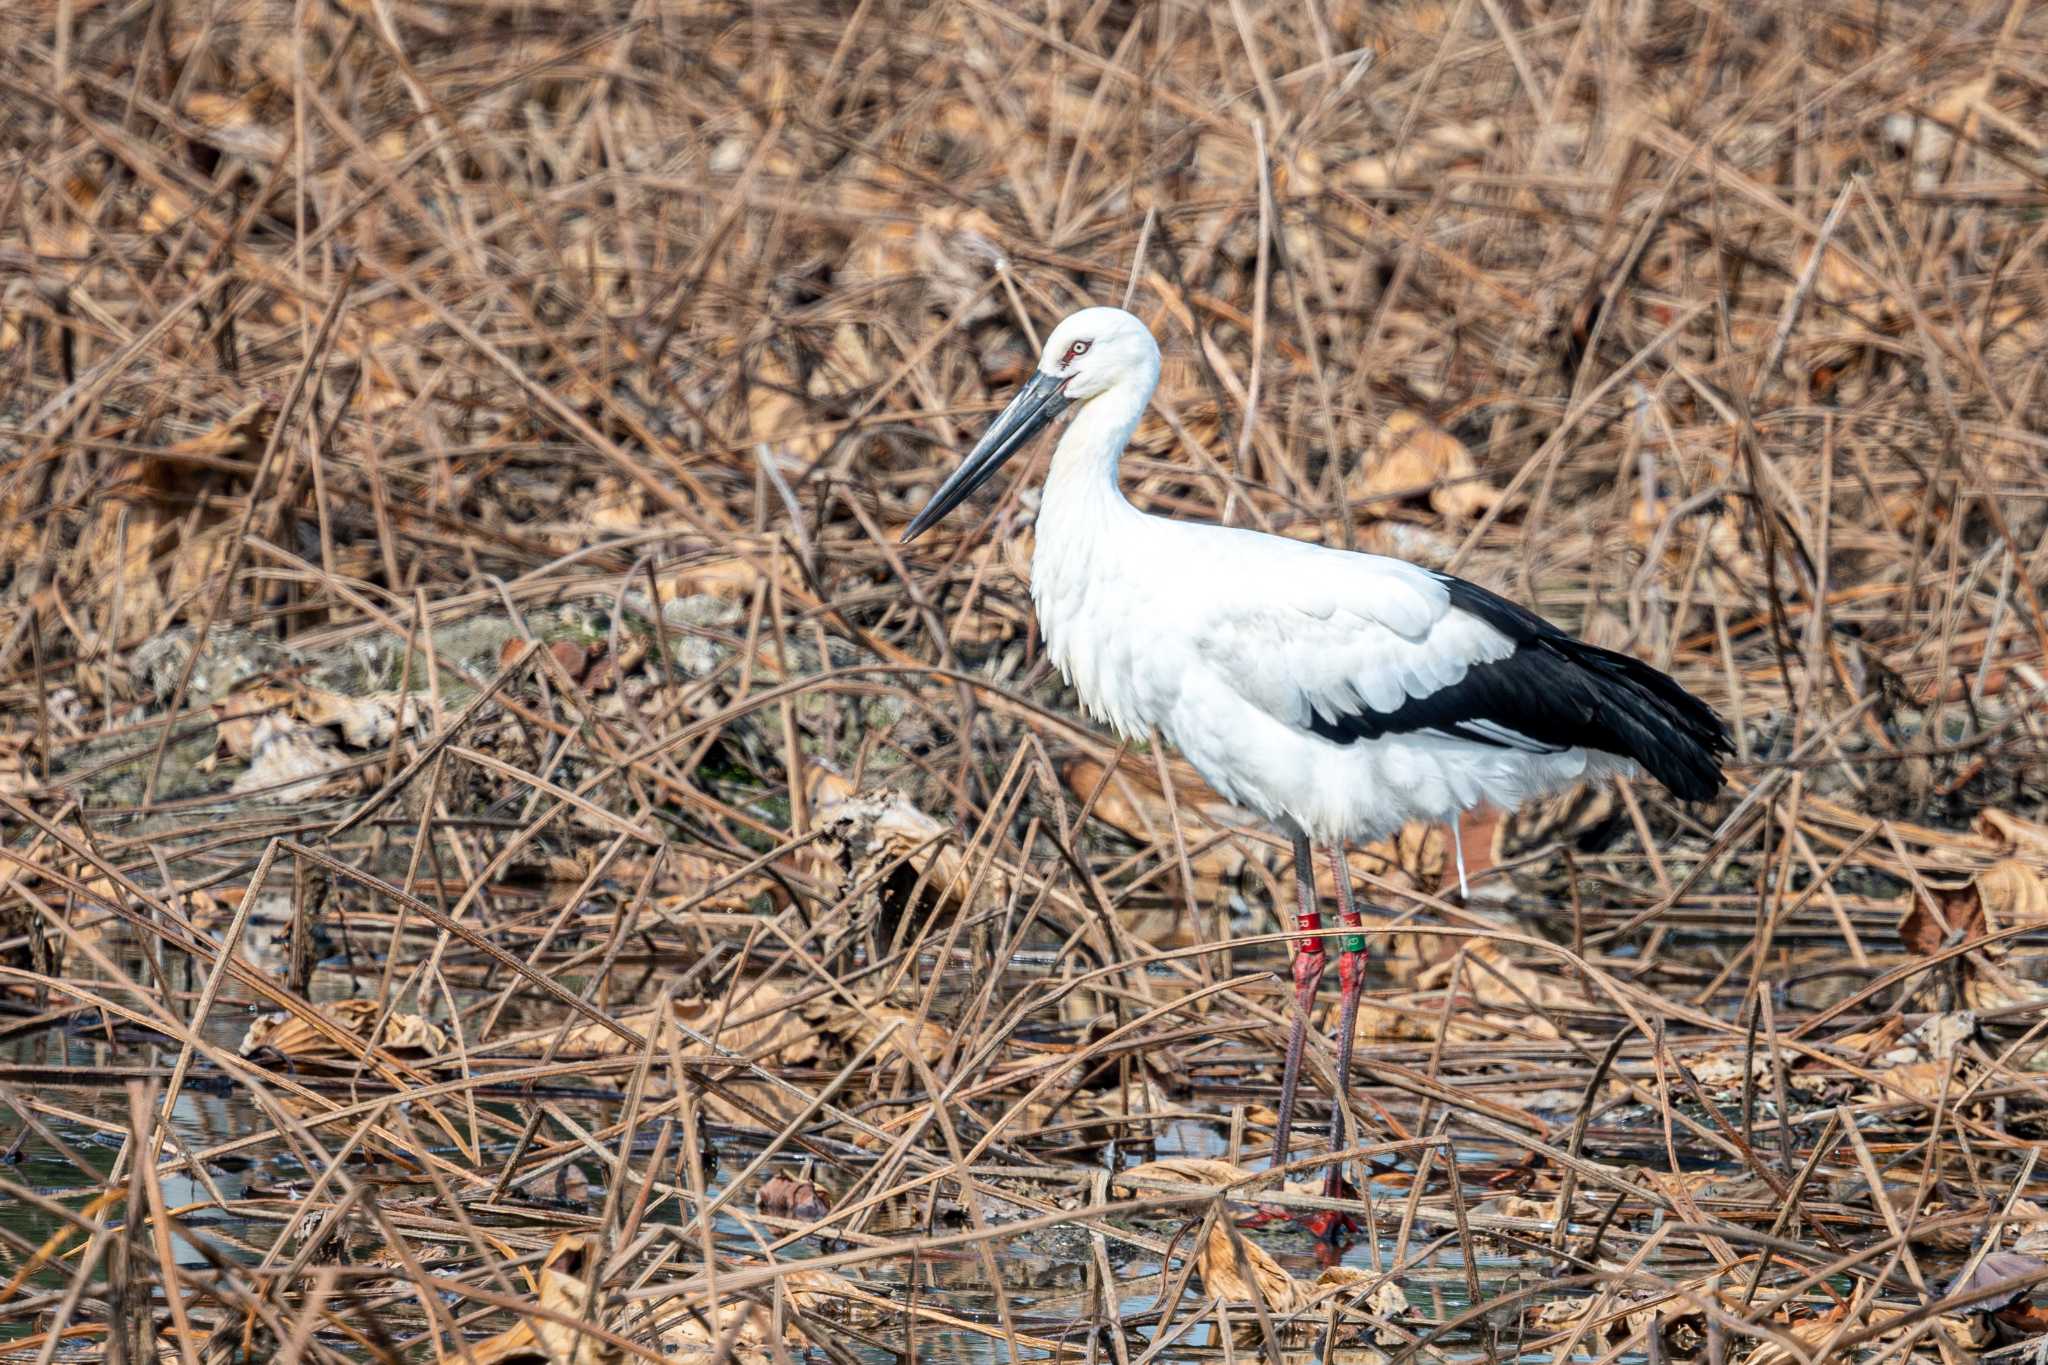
<point>1079,348</point>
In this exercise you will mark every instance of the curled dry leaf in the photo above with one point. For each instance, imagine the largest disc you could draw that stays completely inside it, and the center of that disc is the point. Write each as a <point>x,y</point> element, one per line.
<point>287,762</point>
<point>573,656</point>
<point>1217,1263</point>
<point>1907,1064</point>
<point>1209,1171</point>
<point>697,874</point>
<point>730,579</point>
<point>1597,1317</point>
<point>1419,857</point>
<point>1997,1268</point>
<point>294,1036</point>
<point>1430,152</point>
<point>572,1186</point>
<point>616,507</point>
<point>1939,1036</point>
<point>1988,987</point>
<point>1190,1170</point>
<point>1957,916</point>
<point>365,722</point>
<point>745,1326</point>
<point>2012,834</point>
<point>1670,530</point>
<point>237,716</point>
<point>1920,1081</point>
<point>1137,808</point>
<point>1871,1047</point>
<point>1390,1019</point>
<point>1929,143</point>
<point>1814,1334</point>
<point>760,1024</point>
<point>1611,1320</point>
<point>1001,612</point>
<point>2011,893</point>
<point>1414,456</point>
<point>561,1290</point>
<point>237,437</point>
<point>951,250</point>
<point>957,248</point>
<point>1384,1300</point>
<point>130,532</point>
<point>2007,894</point>
<point>2031,1221</point>
<point>1425,545</point>
<point>785,1196</point>
<point>1726,1069</point>
<point>15,773</point>
<point>857,1027</point>
<point>1520,1206</point>
<point>870,830</point>
<point>234,124</point>
<point>1493,980</point>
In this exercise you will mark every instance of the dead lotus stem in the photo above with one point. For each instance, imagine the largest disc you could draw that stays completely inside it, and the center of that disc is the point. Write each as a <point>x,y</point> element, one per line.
<point>488,503</point>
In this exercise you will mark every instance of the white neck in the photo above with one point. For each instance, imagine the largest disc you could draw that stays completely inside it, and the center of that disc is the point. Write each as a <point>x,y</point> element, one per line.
<point>1081,492</point>
<point>1090,543</point>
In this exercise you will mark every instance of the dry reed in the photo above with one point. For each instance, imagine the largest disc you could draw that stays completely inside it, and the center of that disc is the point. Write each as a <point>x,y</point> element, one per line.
<point>502,857</point>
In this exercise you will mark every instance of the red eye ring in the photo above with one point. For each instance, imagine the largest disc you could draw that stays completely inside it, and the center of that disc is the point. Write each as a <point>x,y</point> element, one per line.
<point>1078,348</point>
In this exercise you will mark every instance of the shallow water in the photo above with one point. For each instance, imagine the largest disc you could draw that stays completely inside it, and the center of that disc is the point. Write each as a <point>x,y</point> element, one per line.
<point>1050,1277</point>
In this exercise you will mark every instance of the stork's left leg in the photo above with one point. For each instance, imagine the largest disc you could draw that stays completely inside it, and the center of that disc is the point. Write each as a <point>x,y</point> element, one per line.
<point>1350,982</point>
<point>1308,973</point>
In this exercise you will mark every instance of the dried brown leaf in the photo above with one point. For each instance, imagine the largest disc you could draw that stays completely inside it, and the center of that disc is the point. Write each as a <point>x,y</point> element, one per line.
<point>562,1290</point>
<point>297,1038</point>
<point>1270,1282</point>
<point>2026,838</point>
<point>761,1023</point>
<point>1956,915</point>
<point>785,1196</point>
<point>1412,454</point>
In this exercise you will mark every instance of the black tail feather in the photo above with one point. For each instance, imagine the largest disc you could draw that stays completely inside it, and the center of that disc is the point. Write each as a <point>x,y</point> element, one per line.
<point>1599,699</point>
<point>1674,735</point>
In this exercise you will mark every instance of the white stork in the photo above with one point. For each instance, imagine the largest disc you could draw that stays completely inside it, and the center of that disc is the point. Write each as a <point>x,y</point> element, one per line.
<point>1337,694</point>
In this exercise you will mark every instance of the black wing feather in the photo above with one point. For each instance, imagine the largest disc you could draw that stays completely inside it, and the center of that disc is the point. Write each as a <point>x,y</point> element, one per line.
<point>1555,693</point>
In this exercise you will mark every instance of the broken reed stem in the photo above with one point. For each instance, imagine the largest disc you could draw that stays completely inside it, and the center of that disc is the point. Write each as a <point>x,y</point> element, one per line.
<point>659,825</point>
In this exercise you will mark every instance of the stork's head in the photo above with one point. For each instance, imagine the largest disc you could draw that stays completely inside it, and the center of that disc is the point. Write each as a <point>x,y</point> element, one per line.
<point>1097,348</point>
<point>1089,354</point>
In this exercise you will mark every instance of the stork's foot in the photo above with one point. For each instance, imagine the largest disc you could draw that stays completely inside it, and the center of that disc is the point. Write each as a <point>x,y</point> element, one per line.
<point>1265,1215</point>
<point>1336,1227</point>
<point>1330,1227</point>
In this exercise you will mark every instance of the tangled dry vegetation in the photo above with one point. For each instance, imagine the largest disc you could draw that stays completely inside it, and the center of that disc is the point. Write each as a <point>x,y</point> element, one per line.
<point>501,856</point>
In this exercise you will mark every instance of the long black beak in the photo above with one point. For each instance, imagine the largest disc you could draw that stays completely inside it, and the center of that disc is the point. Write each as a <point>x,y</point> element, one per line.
<point>1029,413</point>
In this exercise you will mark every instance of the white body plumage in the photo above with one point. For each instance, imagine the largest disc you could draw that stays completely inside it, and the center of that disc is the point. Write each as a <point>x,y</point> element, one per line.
<point>1226,639</point>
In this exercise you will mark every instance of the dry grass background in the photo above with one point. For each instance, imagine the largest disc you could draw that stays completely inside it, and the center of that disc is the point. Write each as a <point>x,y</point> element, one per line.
<point>450,463</point>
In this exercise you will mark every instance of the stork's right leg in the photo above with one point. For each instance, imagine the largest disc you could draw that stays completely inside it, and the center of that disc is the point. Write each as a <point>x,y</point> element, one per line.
<point>1308,973</point>
<point>1351,981</point>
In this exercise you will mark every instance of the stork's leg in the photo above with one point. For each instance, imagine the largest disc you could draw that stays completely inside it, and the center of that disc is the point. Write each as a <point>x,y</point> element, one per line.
<point>1308,973</point>
<point>1350,981</point>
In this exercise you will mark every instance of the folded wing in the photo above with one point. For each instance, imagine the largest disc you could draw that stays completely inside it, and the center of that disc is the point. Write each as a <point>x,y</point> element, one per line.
<point>1353,648</point>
